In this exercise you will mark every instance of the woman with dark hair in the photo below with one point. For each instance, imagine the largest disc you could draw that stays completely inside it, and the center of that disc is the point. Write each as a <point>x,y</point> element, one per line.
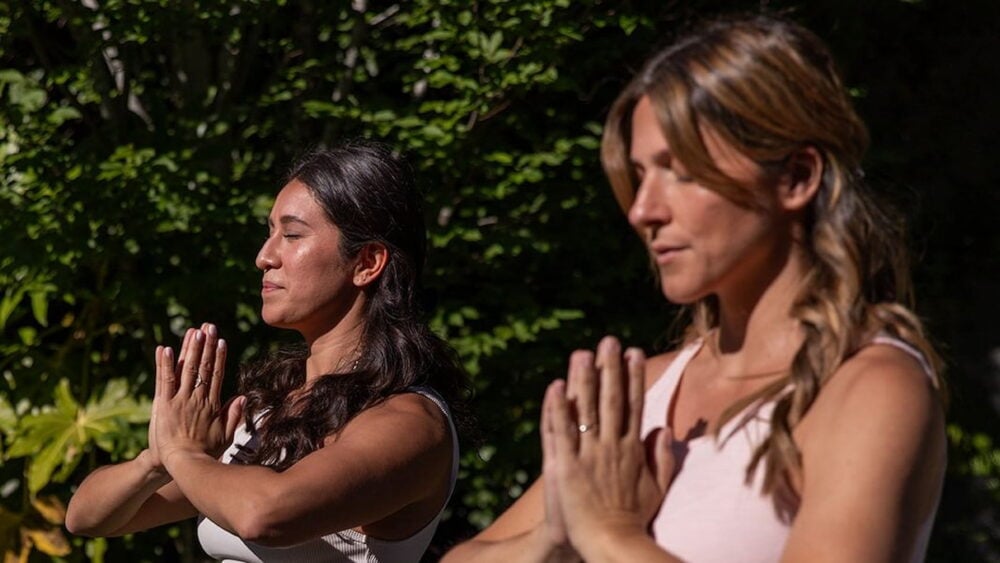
<point>341,450</point>
<point>801,416</point>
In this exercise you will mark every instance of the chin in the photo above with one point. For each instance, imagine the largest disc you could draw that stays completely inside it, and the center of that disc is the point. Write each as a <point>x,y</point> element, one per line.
<point>681,295</point>
<point>272,319</point>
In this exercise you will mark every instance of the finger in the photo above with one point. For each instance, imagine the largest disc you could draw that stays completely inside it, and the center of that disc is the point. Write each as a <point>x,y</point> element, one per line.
<point>635,361</point>
<point>566,437</point>
<point>582,377</point>
<point>233,412</point>
<point>206,367</point>
<point>551,480</point>
<point>185,345</point>
<point>611,394</point>
<point>167,378</point>
<point>192,361</point>
<point>218,372</point>
<point>548,436</point>
<point>157,366</point>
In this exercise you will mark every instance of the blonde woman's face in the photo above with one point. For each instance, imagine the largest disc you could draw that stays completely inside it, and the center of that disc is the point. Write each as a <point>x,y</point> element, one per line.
<point>701,242</point>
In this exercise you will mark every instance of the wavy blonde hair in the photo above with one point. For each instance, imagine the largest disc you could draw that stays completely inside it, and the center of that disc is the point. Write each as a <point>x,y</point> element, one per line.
<point>769,87</point>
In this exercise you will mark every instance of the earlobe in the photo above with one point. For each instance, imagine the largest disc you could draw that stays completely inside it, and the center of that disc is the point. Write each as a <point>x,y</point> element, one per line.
<point>802,177</point>
<point>371,262</point>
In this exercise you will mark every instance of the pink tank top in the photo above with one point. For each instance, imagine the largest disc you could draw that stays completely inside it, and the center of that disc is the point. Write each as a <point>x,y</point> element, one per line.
<point>709,514</point>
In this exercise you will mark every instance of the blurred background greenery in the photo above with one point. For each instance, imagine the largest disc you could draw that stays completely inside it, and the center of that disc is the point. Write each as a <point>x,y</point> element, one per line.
<point>142,141</point>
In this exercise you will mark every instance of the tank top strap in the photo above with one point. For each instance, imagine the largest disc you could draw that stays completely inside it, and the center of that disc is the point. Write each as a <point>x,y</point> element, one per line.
<point>661,392</point>
<point>900,344</point>
<point>438,400</point>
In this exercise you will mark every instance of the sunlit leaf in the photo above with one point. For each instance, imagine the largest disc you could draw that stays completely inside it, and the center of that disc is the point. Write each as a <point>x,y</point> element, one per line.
<point>49,541</point>
<point>50,508</point>
<point>58,437</point>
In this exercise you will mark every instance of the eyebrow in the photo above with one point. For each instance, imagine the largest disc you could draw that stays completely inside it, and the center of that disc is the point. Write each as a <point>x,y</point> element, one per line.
<point>286,219</point>
<point>660,156</point>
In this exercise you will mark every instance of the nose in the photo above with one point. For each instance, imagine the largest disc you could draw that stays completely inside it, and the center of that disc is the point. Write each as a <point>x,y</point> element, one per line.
<point>267,258</point>
<point>649,209</point>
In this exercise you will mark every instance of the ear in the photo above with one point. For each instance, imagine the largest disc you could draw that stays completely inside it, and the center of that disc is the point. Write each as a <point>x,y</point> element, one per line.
<point>801,178</point>
<point>370,263</point>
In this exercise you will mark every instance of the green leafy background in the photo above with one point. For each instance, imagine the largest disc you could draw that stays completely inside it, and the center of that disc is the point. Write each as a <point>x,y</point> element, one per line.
<point>142,142</point>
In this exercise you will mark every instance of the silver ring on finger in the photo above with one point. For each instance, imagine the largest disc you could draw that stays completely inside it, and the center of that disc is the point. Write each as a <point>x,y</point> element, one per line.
<point>584,428</point>
<point>198,381</point>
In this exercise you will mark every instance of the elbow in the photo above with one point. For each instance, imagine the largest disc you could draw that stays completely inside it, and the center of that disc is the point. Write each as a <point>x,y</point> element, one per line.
<point>76,522</point>
<point>262,524</point>
<point>263,533</point>
<point>255,529</point>
<point>78,525</point>
<point>76,528</point>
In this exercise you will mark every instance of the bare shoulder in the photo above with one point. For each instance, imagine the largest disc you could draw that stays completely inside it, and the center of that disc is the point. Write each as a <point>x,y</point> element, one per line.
<point>422,419</point>
<point>657,365</point>
<point>873,459</point>
<point>881,397</point>
<point>881,377</point>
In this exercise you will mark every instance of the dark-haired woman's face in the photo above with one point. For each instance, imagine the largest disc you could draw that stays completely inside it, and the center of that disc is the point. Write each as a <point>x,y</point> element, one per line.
<point>701,242</point>
<point>308,283</point>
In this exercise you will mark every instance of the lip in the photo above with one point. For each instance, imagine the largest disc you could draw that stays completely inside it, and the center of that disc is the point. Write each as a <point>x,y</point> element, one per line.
<point>268,287</point>
<point>665,253</point>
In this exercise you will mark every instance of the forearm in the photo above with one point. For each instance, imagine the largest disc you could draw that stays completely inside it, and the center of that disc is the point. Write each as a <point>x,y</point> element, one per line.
<point>111,496</point>
<point>621,546</point>
<point>236,497</point>
<point>530,547</point>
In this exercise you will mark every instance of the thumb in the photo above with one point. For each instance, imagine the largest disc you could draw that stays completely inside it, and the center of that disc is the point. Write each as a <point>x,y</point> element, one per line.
<point>233,415</point>
<point>665,461</point>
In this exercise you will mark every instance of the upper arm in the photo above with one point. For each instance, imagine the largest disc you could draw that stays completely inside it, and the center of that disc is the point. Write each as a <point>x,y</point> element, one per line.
<point>385,459</point>
<point>872,461</point>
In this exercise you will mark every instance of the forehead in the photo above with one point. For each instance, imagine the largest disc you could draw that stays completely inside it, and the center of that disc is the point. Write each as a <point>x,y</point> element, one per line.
<point>296,199</point>
<point>647,136</point>
<point>649,141</point>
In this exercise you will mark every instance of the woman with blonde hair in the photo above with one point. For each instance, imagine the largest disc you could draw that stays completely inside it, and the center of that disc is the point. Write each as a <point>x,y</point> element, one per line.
<point>801,417</point>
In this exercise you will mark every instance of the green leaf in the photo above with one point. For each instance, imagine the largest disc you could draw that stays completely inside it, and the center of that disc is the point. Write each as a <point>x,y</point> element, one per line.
<point>62,115</point>
<point>58,437</point>
<point>11,299</point>
<point>40,304</point>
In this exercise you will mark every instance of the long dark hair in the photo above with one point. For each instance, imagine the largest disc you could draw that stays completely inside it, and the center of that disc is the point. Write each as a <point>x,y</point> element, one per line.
<point>368,192</point>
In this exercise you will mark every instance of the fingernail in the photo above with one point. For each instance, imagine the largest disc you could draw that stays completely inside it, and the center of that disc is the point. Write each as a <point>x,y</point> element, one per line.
<point>222,343</point>
<point>610,343</point>
<point>198,336</point>
<point>212,331</point>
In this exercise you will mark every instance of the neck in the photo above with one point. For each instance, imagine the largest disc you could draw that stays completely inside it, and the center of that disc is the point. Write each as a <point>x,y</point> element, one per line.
<point>757,333</point>
<point>337,348</point>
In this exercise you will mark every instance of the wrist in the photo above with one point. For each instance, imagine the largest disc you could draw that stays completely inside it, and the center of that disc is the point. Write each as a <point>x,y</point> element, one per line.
<point>553,551</point>
<point>153,470</point>
<point>604,543</point>
<point>173,455</point>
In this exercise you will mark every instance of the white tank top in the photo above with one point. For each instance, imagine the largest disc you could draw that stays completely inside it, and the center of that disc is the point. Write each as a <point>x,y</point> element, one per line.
<point>346,546</point>
<point>709,514</point>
